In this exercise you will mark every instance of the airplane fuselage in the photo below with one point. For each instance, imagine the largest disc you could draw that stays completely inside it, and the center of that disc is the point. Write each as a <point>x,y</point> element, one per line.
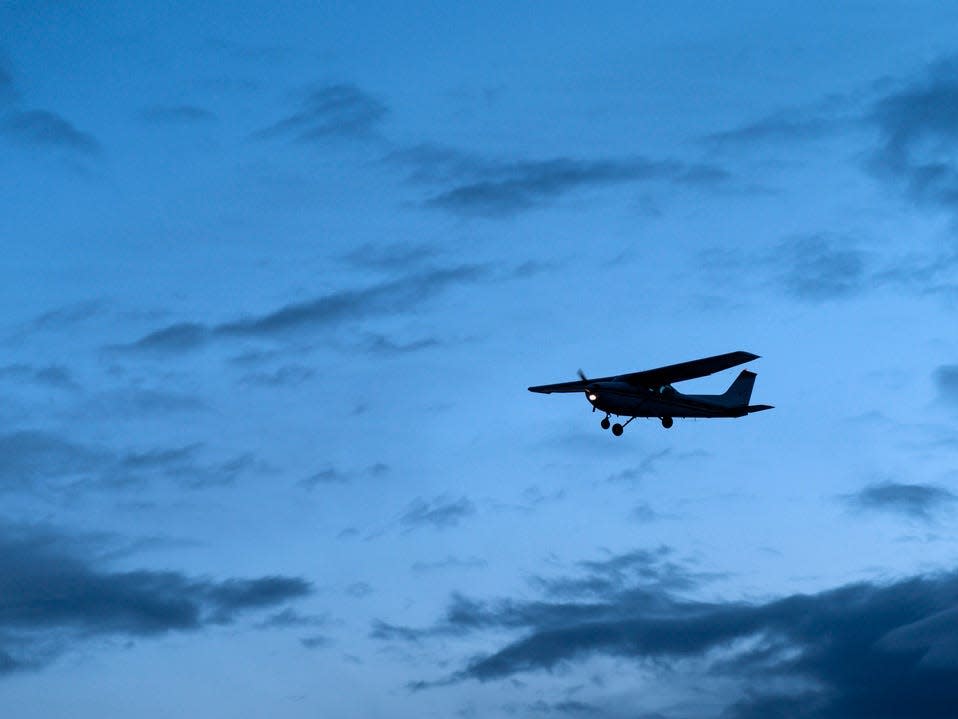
<point>622,399</point>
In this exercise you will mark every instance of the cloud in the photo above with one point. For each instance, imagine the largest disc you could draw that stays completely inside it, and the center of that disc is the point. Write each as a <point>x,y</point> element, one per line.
<point>449,562</point>
<point>7,88</point>
<point>868,649</point>
<point>41,128</point>
<point>55,376</point>
<point>332,475</point>
<point>821,268</point>
<point>140,401</point>
<point>53,599</point>
<point>329,112</point>
<point>176,115</point>
<point>40,461</point>
<point>439,513</point>
<point>478,186</point>
<point>67,316</point>
<point>378,344</point>
<point>919,501</point>
<point>290,375</point>
<point>946,380</point>
<point>383,298</point>
<point>396,256</point>
<point>784,125</point>
<point>917,127</point>
<point>811,268</point>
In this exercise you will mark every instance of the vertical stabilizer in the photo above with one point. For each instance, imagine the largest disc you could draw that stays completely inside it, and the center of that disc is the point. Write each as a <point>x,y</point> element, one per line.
<point>740,392</point>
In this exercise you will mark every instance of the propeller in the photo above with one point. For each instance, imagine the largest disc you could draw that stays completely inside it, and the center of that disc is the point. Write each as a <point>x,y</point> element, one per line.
<point>582,376</point>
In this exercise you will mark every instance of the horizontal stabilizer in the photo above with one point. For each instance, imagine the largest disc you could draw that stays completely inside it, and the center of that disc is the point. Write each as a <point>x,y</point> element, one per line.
<point>758,407</point>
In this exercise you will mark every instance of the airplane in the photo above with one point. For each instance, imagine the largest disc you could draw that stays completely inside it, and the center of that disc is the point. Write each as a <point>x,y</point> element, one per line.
<point>650,393</point>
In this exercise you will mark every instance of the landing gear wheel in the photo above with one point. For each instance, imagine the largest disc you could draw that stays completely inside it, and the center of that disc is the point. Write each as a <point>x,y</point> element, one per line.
<point>617,429</point>
<point>604,423</point>
<point>666,422</point>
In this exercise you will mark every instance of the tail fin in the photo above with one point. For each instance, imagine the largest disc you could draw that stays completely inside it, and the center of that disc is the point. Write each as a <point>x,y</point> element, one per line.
<point>739,393</point>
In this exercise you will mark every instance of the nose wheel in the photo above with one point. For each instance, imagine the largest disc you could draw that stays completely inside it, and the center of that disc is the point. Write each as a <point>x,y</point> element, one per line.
<point>666,422</point>
<point>605,422</point>
<point>617,429</point>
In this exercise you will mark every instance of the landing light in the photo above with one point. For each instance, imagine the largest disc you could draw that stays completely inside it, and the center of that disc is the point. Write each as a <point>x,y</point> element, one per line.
<point>593,397</point>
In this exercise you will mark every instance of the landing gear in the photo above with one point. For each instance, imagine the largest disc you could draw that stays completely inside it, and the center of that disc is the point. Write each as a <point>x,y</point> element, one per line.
<point>605,422</point>
<point>666,422</point>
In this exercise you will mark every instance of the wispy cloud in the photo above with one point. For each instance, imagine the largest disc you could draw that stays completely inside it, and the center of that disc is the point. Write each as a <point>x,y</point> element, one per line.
<point>919,501</point>
<point>946,380</point>
<point>40,461</point>
<point>176,115</point>
<point>54,598</point>
<point>45,129</point>
<point>480,186</point>
<point>55,376</point>
<point>438,513</point>
<point>332,111</point>
<point>383,298</point>
<point>332,475</point>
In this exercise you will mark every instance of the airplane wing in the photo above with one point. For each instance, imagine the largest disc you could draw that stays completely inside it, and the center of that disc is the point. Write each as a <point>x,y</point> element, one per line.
<point>577,386</point>
<point>661,375</point>
<point>686,370</point>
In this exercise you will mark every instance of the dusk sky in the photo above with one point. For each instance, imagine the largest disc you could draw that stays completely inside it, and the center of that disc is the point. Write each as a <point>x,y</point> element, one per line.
<point>276,277</point>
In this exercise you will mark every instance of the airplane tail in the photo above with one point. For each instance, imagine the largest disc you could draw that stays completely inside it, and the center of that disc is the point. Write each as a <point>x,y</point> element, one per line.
<point>739,393</point>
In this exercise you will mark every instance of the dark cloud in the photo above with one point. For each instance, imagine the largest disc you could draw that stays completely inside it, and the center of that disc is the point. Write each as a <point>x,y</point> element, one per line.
<point>291,375</point>
<point>49,375</point>
<point>450,563</point>
<point>7,87</point>
<point>917,127</point>
<point>53,598</point>
<point>474,185</point>
<point>822,268</point>
<point>860,651</point>
<point>358,590</point>
<point>946,380</point>
<point>383,298</point>
<point>782,126</point>
<point>41,128</point>
<point>176,115</point>
<point>33,460</point>
<point>289,617</point>
<point>919,501</point>
<point>384,346</point>
<point>317,641</point>
<point>332,475</point>
<point>141,401</point>
<point>810,268</point>
<point>439,513</point>
<point>68,316</point>
<point>329,112</point>
<point>392,257</point>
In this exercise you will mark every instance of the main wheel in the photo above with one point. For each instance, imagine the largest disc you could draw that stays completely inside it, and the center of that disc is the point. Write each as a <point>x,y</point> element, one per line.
<point>666,422</point>
<point>604,423</point>
<point>617,429</point>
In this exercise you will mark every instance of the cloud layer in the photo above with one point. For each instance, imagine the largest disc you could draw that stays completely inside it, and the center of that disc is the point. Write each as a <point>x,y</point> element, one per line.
<point>53,598</point>
<point>877,650</point>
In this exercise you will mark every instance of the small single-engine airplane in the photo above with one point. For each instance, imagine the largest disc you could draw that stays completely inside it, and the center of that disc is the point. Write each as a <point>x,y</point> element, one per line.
<point>650,393</point>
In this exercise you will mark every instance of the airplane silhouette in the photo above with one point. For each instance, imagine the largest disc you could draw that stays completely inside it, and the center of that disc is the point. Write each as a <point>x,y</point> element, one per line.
<point>650,393</point>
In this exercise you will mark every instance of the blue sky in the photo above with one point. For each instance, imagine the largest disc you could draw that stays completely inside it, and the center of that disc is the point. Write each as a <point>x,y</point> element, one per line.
<point>276,279</point>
